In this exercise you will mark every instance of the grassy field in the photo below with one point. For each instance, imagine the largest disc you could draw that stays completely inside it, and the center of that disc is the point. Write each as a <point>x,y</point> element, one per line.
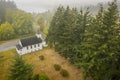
<point>39,66</point>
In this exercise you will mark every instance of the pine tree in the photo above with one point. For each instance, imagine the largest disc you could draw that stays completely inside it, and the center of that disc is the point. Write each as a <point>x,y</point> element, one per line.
<point>99,50</point>
<point>20,70</point>
<point>112,14</point>
<point>56,23</point>
<point>92,43</point>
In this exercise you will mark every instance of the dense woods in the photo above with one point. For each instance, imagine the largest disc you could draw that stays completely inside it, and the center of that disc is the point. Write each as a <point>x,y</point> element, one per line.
<point>90,42</point>
<point>13,22</point>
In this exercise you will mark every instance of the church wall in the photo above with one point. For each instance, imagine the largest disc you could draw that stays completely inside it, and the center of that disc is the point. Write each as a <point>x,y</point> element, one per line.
<point>30,49</point>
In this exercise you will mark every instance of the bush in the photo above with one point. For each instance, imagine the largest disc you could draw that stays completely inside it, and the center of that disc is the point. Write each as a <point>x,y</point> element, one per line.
<point>1,57</point>
<point>64,73</point>
<point>40,77</point>
<point>57,67</point>
<point>41,57</point>
<point>36,77</point>
<point>43,77</point>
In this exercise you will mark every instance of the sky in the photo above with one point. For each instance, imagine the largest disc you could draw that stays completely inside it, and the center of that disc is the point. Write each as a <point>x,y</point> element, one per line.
<point>45,5</point>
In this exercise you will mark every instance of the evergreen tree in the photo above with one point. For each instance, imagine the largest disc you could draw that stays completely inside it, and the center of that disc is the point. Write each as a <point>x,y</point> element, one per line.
<point>64,21</point>
<point>99,50</point>
<point>112,14</point>
<point>92,43</point>
<point>55,24</point>
<point>20,70</point>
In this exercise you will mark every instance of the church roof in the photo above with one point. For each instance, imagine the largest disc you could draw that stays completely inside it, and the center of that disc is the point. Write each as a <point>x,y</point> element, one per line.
<point>30,41</point>
<point>19,46</point>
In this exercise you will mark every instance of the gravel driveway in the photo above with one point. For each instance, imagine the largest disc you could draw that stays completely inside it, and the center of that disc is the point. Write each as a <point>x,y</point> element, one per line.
<point>8,45</point>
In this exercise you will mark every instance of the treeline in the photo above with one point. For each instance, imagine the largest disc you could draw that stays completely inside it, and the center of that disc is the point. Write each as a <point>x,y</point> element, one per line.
<point>4,6</point>
<point>94,8</point>
<point>13,22</point>
<point>46,15</point>
<point>43,20</point>
<point>42,23</point>
<point>90,42</point>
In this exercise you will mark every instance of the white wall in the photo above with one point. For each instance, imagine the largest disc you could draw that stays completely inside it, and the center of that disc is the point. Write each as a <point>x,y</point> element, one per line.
<point>28,49</point>
<point>44,44</point>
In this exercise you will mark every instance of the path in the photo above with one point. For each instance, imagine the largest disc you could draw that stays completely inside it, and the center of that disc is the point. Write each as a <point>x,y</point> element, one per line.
<point>8,45</point>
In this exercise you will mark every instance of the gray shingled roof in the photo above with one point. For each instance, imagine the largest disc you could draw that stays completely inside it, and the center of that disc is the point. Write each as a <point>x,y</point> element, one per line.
<point>30,41</point>
<point>19,46</point>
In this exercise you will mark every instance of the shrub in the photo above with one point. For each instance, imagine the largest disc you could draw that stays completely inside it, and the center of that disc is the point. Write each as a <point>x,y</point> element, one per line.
<point>40,77</point>
<point>57,67</point>
<point>41,57</point>
<point>43,77</point>
<point>36,77</point>
<point>1,56</point>
<point>64,73</point>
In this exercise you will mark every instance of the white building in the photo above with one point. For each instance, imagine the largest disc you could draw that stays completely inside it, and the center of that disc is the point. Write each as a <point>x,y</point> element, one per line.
<point>30,44</point>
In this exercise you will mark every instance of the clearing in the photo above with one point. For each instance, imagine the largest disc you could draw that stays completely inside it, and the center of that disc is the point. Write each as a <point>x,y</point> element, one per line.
<point>39,66</point>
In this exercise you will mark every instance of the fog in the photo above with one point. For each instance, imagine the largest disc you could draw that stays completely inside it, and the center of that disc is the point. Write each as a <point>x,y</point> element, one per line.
<point>45,5</point>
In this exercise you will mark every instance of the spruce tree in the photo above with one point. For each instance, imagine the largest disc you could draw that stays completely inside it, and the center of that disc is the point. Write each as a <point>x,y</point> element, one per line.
<point>92,43</point>
<point>20,70</point>
<point>100,50</point>
<point>53,32</point>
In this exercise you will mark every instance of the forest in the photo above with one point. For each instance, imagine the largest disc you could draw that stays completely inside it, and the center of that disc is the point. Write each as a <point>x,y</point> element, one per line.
<point>90,42</point>
<point>13,21</point>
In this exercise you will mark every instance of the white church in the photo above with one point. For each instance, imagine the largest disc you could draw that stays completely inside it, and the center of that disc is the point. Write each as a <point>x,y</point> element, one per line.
<point>30,44</point>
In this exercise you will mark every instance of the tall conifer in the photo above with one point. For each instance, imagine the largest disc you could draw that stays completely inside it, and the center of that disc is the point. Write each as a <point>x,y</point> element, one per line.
<point>20,70</point>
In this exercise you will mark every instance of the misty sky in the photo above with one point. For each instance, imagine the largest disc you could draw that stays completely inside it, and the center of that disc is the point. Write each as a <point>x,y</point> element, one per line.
<point>45,5</point>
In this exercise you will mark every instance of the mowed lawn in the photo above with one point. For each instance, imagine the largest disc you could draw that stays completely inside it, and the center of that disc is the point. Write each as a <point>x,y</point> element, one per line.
<point>39,66</point>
